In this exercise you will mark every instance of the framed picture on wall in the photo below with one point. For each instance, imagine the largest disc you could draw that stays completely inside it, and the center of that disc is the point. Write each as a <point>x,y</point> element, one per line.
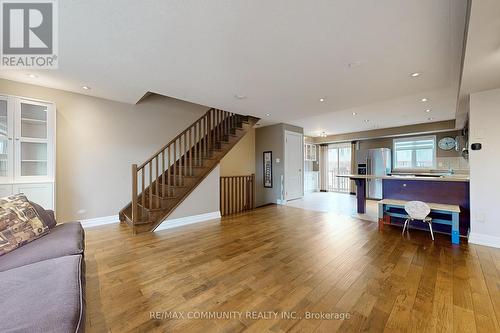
<point>268,169</point>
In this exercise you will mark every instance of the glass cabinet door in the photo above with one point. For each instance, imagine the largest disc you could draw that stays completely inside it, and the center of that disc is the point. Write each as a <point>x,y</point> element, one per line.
<point>32,140</point>
<point>6,134</point>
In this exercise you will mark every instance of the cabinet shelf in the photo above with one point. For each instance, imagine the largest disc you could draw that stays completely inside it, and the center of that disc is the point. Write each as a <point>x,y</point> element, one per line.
<point>34,161</point>
<point>33,121</point>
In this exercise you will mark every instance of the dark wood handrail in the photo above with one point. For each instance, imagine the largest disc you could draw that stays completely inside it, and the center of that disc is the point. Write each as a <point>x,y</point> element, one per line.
<point>173,140</point>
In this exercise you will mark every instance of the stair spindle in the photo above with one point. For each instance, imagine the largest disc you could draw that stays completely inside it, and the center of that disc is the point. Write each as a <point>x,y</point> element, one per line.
<point>185,157</point>
<point>198,143</point>
<point>195,141</point>
<point>150,184</point>
<point>175,163</point>
<point>143,193</point>
<point>190,153</point>
<point>208,131</point>
<point>157,183</point>
<point>168,171</point>
<point>134,193</point>
<point>163,173</point>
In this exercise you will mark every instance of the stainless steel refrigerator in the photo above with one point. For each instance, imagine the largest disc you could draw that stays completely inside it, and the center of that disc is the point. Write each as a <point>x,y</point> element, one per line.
<point>378,162</point>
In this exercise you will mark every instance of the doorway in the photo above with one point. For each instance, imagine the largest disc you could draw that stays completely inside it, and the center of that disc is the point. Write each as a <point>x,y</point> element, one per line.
<point>339,163</point>
<point>294,163</point>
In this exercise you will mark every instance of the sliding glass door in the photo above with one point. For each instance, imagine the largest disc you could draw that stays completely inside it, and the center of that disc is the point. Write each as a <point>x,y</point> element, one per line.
<point>339,163</point>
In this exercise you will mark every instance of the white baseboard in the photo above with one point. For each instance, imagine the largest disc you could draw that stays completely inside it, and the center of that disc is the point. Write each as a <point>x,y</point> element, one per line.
<point>100,221</point>
<point>174,223</point>
<point>167,224</point>
<point>485,240</point>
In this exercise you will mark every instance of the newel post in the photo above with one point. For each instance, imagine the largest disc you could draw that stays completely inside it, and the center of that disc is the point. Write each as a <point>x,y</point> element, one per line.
<point>134,193</point>
<point>253,191</point>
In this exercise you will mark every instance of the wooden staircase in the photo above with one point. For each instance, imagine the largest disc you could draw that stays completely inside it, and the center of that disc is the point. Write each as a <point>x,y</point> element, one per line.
<point>161,183</point>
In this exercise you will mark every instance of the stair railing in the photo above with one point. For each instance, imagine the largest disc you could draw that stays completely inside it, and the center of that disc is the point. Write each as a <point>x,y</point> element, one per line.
<point>237,194</point>
<point>166,169</point>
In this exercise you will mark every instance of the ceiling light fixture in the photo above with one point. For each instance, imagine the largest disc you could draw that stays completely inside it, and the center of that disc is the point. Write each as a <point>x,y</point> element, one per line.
<point>323,134</point>
<point>354,113</point>
<point>366,120</point>
<point>238,96</point>
<point>321,99</point>
<point>416,74</point>
<point>428,110</point>
<point>86,88</point>
<point>430,118</point>
<point>33,76</point>
<point>424,99</point>
<point>268,114</point>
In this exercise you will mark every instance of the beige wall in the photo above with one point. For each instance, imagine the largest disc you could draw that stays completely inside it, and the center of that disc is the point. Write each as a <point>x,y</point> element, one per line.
<point>98,140</point>
<point>240,160</point>
<point>445,159</point>
<point>198,202</point>
<point>388,143</point>
<point>389,132</point>
<point>484,179</point>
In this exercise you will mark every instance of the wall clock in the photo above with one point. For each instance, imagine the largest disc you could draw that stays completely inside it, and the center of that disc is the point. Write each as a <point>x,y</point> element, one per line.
<point>447,143</point>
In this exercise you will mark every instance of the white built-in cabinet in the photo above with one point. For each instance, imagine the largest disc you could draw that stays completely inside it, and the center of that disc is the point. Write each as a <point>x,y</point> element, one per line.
<point>309,152</point>
<point>27,149</point>
<point>311,181</point>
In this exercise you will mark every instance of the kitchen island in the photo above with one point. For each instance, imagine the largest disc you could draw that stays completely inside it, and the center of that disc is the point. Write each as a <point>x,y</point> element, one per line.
<point>448,189</point>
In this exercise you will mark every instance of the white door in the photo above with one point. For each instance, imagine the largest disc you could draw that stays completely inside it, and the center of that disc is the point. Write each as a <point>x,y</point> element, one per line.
<point>294,159</point>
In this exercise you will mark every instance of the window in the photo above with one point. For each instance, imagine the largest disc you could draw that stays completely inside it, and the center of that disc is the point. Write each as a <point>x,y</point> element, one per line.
<point>415,153</point>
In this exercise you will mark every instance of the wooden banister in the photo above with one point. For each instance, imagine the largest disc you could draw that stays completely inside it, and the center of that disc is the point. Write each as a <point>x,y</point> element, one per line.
<point>237,194</point>
<point>174,139</point>
<point>168,168</point>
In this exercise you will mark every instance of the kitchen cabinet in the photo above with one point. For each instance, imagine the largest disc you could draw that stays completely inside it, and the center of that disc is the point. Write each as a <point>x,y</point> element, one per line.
<point>309,152</point>
<point>311,181</point>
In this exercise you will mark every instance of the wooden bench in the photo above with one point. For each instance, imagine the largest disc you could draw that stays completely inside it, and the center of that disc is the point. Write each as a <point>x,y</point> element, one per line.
<point>384,215</point>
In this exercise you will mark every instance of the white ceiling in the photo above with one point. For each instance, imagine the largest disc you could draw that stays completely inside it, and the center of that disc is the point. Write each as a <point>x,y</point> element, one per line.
<point>282,55</point>
<point>482,57</point>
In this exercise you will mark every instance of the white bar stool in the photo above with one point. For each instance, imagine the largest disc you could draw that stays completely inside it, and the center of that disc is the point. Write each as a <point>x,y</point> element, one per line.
<point>417,210</point>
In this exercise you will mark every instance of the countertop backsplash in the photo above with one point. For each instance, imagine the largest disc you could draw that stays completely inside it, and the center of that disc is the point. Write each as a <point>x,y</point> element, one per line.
<point>457,164</point>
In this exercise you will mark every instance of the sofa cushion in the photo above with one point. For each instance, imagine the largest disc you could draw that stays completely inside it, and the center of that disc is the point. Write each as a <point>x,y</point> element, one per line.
<point>63,240</point>
<point>46,296</point>
<point>19,223</point>
<point>47,216</point>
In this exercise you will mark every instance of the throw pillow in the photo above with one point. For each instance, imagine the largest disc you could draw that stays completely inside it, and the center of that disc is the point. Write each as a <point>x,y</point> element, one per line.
<point>19,223</point>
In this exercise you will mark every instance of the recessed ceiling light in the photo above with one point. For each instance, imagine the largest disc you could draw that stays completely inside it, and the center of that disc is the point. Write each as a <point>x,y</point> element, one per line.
<point>323,134</point>
<point>33,76</point>
<point>321,99</point>
<point>354,113</point>
<point>86,88</point>
<point>428,110</point>
<point>366,120</point>
<point>238,96</point>
<point>424,99</point>
<point>268,114</point>
<point>416,74</point>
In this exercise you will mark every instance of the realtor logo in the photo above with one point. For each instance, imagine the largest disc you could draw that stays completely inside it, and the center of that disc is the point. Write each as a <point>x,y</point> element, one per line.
<point>29,34</point>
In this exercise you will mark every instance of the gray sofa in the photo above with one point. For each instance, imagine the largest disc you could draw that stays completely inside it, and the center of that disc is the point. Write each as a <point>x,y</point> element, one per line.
<point>42,284</point>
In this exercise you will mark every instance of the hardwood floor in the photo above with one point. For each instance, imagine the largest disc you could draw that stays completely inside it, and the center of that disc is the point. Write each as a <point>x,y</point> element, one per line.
<point>290,261</point>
